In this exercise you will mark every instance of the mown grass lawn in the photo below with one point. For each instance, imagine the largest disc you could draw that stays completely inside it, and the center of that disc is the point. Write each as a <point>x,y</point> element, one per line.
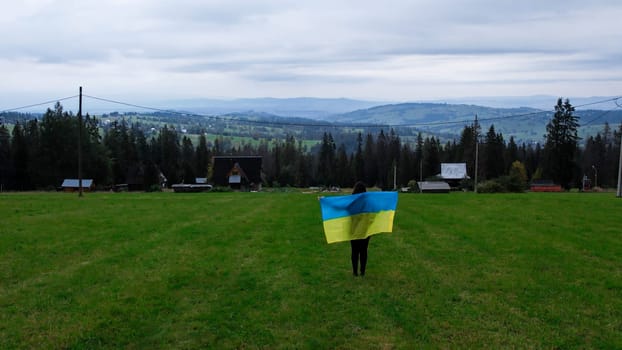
<point>253,270</point>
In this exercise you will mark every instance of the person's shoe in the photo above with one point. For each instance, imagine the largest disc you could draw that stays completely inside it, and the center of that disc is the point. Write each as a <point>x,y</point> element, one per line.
<point>354,274</point>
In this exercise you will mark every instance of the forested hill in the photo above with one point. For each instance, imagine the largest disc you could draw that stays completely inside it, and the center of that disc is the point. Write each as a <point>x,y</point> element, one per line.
<point>420,113</point>
<point>443,120</point>
<point>524,123</point>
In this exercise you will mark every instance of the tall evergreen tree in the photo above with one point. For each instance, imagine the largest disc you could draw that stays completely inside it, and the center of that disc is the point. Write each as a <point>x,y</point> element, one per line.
<point>493,154</point>
<point>326,163</point>
<point>562,144</point>
<point>419,157</point>
<point>467,145</point>
<point>369,156</point>
<point>187,160</point>
<point>431,157</point>
<point>342,167</point>
<point>511,154</point>
<point>169,160</point>
<point>6,166</point>
<point>116,140</point>
<point>383,160</point>
<point>303,166</point>
<point>408,166</point>
<point>95,158</point>
<point>202,156</point>
<point>359,160</point>
<point>20,153</point>
<point>58,156</point>
<point>33,139</point>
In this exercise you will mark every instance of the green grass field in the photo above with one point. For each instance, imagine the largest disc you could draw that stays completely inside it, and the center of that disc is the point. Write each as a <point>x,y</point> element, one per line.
<point>253,270</point>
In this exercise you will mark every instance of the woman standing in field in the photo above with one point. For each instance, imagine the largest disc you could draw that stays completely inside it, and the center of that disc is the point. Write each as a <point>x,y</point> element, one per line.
<point>359,246</point>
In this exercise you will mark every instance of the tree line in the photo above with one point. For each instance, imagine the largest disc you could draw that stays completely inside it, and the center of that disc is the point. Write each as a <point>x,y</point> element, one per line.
<point>39,154</point>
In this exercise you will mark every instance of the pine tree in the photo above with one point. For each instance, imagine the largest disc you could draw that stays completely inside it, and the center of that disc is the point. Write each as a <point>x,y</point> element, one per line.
<point>202,157</point>
<point>359,161</point>
<point>6,165</point>
<point>493,154</point>
<point>326,161</point>
<point>369,156</point>
<point>20,154</point>
<point>561,144</point>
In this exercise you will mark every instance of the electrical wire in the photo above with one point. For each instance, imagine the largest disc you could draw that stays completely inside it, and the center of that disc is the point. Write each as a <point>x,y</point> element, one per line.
<point>614,99</point>
<point>38,104</point>
<point>352,125</point>
<point>240,120</point>
<point>597,117</point>
<point>326,125</point>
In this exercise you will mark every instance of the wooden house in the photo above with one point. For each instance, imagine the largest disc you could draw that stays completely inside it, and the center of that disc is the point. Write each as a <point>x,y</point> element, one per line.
<point>241,172</point>
<point>73,185</point>
<point>453,173</point>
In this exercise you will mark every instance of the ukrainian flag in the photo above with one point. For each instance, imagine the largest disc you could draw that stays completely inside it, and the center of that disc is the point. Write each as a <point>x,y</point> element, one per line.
<point>358,216</point>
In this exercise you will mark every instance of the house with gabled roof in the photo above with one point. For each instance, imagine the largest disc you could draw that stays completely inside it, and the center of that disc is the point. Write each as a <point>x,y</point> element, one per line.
<point>237,172</point>
<point>73,185</point>
<point>453,173</point>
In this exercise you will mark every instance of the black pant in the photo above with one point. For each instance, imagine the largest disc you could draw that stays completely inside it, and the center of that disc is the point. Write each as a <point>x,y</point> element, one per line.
<point>359,250</point>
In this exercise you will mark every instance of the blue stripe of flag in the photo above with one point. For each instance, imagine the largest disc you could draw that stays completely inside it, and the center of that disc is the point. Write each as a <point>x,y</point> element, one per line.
<point>367,202</point>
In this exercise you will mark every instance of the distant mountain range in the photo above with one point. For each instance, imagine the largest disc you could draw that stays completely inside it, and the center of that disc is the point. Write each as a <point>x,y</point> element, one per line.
<point>525,124</point>
<point>525,118</point>
<point>326,109</point>
<point>303,107</point>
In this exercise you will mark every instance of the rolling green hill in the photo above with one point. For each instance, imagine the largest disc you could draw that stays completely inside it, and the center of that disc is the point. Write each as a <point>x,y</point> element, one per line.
<point>442,120</point>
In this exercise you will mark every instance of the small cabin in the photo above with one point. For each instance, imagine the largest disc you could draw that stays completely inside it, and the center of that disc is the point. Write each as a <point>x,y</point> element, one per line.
<point>73,185</point>
<point>242,172</point>
<point>453,173</point>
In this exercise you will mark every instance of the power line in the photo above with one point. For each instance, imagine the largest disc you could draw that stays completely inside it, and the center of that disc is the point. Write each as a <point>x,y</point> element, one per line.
<point>332,125</point>
<point>38,104</point>
<point>240,120</point>
<point>614,99</point>
<point>328,125</point>
<point>597,117</point>
<point>312,124</point>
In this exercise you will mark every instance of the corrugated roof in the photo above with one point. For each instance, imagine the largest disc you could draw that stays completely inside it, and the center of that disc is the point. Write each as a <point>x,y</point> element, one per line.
<point>74,183</point>
<point>433,186</point>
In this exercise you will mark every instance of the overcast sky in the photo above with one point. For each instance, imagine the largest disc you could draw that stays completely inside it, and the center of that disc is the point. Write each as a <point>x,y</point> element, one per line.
<point>145,50</point>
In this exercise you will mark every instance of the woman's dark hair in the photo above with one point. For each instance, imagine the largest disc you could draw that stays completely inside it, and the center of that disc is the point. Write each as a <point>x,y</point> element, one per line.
<point>359,187</point>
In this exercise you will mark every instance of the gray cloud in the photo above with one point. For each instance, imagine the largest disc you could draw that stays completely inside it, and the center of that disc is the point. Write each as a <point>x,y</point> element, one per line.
<point>385,48</point>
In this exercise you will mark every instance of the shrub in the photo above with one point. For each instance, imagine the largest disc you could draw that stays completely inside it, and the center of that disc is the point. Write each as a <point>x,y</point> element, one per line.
<point>466,184</point>
<point>154,188</point>
<point>221,189</point>
<point>413,186</point>
<point>490,186</point>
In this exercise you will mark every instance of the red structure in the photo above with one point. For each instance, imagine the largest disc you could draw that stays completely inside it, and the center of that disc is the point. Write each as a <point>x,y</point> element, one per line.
<point>545,186</point>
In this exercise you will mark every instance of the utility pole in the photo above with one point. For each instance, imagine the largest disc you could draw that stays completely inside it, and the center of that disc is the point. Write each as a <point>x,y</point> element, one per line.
<point>476,130</point>
<point>619,193</point>
<point>80,145</point>
<point>395,176</point>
